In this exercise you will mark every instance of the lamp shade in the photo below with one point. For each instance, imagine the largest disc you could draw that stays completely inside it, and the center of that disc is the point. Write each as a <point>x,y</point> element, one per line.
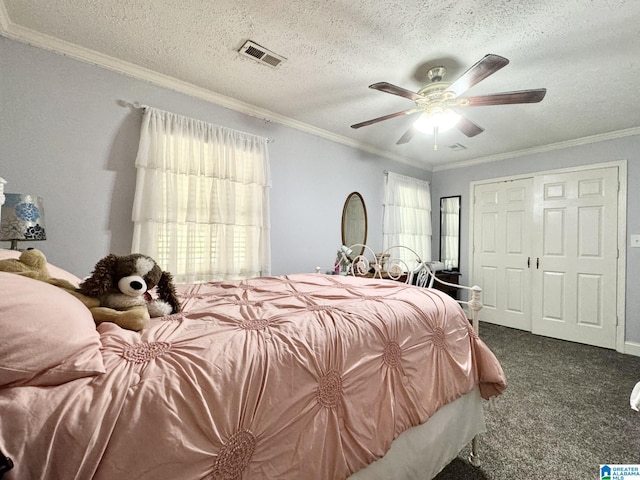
<point>22,218</point>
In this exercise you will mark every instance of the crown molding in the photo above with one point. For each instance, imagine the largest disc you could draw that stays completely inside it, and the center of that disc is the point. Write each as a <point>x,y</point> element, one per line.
<point>544,148</point>
<point>55,45</point>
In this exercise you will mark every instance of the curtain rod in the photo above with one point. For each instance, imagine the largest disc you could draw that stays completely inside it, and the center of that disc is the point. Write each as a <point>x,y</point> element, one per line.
<point>387,172</point>
<point>136,105</point>
<point>142,106</point>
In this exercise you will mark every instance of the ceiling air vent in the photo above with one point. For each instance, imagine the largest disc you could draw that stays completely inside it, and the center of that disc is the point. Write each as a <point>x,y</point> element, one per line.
<point>261,54</point>
<point>457,147</point>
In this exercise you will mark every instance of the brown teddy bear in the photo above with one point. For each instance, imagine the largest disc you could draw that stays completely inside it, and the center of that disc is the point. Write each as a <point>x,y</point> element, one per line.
<point>32,263</point>
<point>121,284</point>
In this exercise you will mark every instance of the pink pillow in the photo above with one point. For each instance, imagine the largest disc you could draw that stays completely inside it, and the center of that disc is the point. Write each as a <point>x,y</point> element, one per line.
<point>47,336</point>
<point>55,272</point>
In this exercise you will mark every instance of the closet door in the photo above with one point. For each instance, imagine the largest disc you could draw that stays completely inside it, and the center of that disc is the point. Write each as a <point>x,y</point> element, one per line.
<point>574,278</point>
<point>501,251</point>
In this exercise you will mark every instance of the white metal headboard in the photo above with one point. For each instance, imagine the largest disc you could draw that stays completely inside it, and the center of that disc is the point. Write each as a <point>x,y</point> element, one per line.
<point>393,264</point>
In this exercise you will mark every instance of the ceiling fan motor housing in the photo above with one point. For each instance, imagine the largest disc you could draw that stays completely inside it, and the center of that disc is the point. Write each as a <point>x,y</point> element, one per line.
<point>435,97</point>
<point>436,74</point>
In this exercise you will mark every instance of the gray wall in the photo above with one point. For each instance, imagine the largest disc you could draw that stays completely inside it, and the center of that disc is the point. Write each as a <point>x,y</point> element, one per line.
<point>66,135</point>
<point>456,181</point>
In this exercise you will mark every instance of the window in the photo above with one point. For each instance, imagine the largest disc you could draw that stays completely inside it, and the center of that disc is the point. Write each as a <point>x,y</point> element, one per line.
<point>201,207</point>
<point>407,216</point>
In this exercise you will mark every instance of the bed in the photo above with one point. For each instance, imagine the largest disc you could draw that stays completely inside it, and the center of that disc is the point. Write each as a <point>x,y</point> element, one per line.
<point>308,375</point>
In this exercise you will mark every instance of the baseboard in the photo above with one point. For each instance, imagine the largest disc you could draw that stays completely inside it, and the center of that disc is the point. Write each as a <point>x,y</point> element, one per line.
<point>629,348</point>
<point>632,348</point>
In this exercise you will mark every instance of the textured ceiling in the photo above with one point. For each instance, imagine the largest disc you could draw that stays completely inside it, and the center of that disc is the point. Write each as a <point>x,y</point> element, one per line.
<point>586,53</point>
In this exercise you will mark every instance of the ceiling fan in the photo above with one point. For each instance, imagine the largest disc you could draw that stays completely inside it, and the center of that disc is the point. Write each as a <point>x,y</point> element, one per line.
<point>438,101</point>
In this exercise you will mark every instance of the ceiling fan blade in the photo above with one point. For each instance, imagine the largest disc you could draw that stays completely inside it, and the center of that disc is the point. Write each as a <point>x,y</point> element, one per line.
<point>469,128</point>
<point>395,90</point>
<point>386,117</point>
<point>507,98</point>
<point>408,135</point>
<point>488,65</point>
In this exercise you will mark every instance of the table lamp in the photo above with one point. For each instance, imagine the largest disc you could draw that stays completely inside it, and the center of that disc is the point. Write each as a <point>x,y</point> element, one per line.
<point>22,219</point>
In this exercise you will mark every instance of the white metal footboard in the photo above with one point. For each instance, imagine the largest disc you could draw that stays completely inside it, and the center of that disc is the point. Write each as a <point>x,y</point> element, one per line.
<point>401,263</point>
<point>474,304</point>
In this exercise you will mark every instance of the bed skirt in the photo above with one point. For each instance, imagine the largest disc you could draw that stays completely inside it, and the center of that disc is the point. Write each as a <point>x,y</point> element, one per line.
<point>421,452</point>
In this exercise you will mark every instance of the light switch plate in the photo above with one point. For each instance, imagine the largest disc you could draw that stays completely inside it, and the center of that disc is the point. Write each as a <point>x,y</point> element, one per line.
<point>635,241</point>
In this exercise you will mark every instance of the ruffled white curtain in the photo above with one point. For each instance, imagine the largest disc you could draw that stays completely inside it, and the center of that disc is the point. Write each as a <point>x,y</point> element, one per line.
<point>407,216</point>
<point>201,206</point>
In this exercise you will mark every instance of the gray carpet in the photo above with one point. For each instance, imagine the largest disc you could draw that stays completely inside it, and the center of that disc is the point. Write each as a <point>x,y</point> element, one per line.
<point>565,411</point>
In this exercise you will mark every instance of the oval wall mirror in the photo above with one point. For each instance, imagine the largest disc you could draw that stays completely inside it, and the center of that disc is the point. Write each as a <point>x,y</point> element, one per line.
<point>354,221</point>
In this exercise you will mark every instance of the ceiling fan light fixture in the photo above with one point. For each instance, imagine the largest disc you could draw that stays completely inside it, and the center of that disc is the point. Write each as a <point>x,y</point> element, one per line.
<point>442,120</point>
<point>435,100</point>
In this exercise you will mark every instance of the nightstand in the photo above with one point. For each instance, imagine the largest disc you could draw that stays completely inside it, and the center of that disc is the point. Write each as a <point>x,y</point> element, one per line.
<point>449,277</point>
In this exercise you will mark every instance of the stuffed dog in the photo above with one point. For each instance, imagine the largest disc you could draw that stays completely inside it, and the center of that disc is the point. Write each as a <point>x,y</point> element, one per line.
<point>121,284</point>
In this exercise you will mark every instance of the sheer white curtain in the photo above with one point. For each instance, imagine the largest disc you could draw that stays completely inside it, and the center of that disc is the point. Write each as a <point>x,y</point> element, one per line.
<point>407,215</point>
<point>201,206</point>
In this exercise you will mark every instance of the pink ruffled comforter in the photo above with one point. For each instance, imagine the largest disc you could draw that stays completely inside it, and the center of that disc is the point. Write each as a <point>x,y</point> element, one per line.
<point>301,376</point>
